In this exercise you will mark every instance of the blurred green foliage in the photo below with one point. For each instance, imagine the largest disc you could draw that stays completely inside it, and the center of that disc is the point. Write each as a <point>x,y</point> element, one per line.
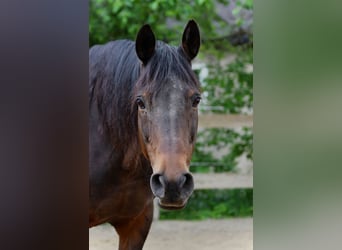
<point>231,86</point>
<point>215,204</point>
<point>215,139</point>
<point>117,19</point>
<point>228,86</point>
<point>241,4</point>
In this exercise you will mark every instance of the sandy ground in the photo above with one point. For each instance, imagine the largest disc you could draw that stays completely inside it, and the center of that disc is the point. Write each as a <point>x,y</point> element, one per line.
<point>230,234</point>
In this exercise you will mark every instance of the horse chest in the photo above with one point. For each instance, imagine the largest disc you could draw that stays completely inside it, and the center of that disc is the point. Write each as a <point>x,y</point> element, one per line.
<point>123,198</point>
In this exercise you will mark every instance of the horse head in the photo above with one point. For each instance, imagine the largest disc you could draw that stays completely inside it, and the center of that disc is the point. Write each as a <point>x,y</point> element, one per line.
<point>166,97</point>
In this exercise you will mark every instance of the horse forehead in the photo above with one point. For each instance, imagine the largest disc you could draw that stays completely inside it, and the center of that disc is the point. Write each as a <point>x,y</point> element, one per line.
<point>170,99</point>
<point>174,92</point>
<point>177,85</point>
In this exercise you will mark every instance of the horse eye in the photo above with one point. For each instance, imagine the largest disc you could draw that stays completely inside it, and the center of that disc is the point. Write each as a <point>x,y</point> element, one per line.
<point>196,101</point>
<point>140,103</point>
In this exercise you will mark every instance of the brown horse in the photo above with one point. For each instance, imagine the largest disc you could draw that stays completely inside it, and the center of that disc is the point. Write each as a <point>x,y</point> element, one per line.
<point>142,130</point>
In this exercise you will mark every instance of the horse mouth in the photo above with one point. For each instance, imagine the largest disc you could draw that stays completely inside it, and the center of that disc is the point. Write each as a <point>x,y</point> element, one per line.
<point>171,206</point>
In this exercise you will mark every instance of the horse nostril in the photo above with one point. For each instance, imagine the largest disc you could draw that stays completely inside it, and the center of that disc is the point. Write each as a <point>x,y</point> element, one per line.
<point>188,183</point>
<point>147,139</point>
<point>182,180</point>
<point>158,185</point>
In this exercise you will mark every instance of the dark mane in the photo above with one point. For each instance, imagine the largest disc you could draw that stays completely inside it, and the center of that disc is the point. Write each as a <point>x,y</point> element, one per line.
<point>115,76</point>
<point>115,69</point>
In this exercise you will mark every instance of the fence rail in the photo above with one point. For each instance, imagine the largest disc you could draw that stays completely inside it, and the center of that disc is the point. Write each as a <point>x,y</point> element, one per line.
<point>224,121</point>
<point>222,181</point>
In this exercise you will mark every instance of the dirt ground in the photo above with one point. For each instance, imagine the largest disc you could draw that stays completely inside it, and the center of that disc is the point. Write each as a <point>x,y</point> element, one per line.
<point>230,234</point>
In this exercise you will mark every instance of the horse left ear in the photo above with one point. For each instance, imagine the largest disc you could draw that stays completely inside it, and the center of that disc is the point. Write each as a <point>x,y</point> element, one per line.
<point>191,40</point>
<point>145,43</point>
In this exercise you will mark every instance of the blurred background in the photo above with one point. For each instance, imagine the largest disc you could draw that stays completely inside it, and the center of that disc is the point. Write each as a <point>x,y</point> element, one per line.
<point>223,159</point>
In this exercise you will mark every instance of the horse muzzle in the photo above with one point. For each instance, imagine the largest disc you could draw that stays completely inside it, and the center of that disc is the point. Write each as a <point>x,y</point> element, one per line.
<point>173,194</point>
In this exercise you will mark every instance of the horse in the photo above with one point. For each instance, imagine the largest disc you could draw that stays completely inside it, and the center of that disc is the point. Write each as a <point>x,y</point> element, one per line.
<point>143,118</point>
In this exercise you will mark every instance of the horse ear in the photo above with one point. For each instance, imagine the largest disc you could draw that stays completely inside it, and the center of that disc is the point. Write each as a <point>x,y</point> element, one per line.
<point>145,43</point>
<point>191,39</point>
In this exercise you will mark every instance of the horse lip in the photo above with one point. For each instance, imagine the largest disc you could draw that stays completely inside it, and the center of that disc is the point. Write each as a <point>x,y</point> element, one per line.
<point>171,206</point>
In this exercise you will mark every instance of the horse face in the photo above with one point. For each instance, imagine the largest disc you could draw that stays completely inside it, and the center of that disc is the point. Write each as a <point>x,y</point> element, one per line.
<point>168,118</point>
<point>167,128</point>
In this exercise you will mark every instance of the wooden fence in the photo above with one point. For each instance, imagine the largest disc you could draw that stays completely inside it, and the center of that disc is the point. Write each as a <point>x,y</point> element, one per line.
<point>223,180</point>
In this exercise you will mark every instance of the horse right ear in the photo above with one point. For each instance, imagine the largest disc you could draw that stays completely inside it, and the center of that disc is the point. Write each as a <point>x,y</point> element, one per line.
<point>191,40</point>
<point>145,43</point>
